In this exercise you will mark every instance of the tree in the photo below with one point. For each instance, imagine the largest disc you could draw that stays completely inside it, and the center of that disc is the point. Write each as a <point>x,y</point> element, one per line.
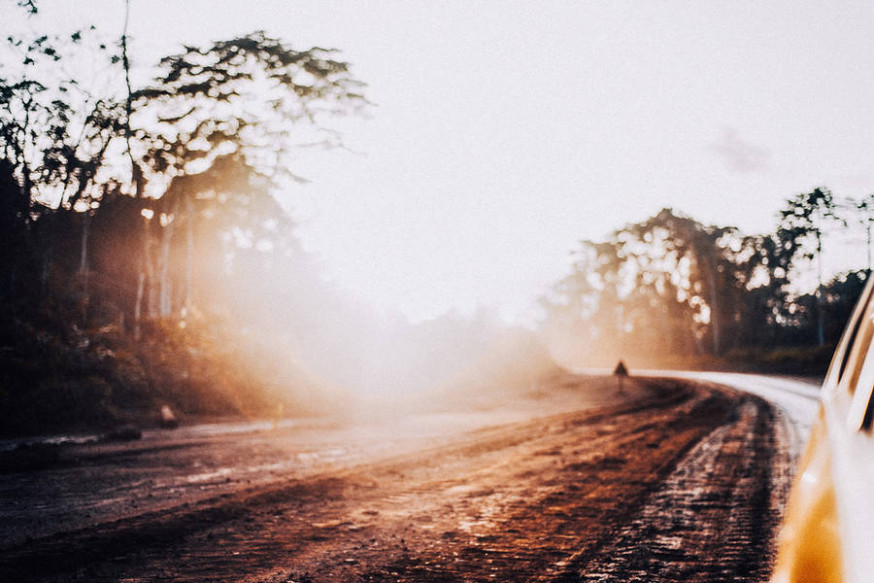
<point>670,284</point>
<point>254,95</point>
<point>208,144</point>
<point>865,208</point>
<point>29,5</point>
<point>761,267</point>
<point>234,108</point>
<point>699,252</point>
<point>839,297</point>
<point>54,139</point>
<point>801,227</point>
<point>664,285</point>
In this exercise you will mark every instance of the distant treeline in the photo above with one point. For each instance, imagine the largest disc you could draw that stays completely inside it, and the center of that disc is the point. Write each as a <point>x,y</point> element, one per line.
<point>671,289</point>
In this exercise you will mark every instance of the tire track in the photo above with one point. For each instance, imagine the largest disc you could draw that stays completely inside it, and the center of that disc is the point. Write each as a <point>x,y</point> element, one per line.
<point>675,486</point>
<point>192,531</point>
<point>711,520</point>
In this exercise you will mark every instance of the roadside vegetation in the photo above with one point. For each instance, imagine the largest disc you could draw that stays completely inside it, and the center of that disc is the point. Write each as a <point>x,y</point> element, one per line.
<point>672,291</point>
<point>140,229</point>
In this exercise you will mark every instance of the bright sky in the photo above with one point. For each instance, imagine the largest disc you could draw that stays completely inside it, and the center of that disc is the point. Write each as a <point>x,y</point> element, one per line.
<point>506,131</point>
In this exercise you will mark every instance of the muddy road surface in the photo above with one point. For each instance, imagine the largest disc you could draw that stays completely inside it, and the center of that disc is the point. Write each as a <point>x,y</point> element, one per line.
<point>671,480</point>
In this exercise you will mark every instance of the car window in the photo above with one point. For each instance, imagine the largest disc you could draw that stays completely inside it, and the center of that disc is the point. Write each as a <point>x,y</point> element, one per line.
<point>854,344</point>
<point>848,351</point>
<point>858,350</point>
<point>859,415</point>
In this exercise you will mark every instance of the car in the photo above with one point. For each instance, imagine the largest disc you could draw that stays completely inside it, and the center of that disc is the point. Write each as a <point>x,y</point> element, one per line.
<point>828,528</point>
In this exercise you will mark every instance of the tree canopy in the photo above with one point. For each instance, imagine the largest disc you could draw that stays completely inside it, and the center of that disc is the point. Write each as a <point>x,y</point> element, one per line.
<point>209,143</point>
<point>672,287</point>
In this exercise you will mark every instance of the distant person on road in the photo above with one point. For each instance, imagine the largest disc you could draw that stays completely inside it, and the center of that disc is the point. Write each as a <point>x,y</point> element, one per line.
<point>621,373</point>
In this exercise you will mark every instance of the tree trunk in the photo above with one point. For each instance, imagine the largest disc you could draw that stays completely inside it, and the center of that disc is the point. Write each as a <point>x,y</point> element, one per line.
<point>189,256</point>
<point>138,306</point>
<point>715,317</point>
<point>152,295</point>
<point>820,321</point>
<point>166,307</point>
<point>83,244</point>
<point>868,239</point>
<point>144,305</point>
<point>83,265</point>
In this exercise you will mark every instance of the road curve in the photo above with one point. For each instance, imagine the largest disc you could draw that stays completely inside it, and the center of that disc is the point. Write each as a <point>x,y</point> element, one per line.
<point>796,399</point>
<point>664,480</point>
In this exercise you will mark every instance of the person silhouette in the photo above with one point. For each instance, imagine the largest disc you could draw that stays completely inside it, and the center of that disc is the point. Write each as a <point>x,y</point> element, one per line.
<point>620,370</point>
<point>621,373</point>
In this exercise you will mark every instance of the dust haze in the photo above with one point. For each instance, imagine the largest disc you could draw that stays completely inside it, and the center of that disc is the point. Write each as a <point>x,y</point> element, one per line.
<point>341,357</point>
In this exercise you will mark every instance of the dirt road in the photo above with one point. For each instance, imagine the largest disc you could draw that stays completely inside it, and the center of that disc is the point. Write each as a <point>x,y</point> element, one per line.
<point>672,481</point>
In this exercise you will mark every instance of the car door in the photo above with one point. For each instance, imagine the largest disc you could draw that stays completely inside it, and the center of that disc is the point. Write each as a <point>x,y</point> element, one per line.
<point>829,523</point>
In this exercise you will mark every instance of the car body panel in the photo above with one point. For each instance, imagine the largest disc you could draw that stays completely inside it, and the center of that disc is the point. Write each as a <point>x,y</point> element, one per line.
<point>828,529</point>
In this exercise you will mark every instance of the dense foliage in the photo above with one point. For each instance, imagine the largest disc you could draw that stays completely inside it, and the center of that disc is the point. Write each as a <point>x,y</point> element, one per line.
<point>140,227</point>
<point>671,289</point>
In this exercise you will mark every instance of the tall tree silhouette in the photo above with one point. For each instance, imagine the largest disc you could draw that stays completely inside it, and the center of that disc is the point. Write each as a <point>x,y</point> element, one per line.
<point>54,139</point>
<point>802,222</point>
<point>865,210</point>
<point>238,105</point>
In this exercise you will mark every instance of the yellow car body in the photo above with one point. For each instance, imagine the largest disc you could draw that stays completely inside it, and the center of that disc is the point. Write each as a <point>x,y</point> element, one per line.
<point>828,529</point>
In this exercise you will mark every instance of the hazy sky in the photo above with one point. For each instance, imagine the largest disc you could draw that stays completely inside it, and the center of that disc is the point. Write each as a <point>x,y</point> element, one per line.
<point>504,132</point>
